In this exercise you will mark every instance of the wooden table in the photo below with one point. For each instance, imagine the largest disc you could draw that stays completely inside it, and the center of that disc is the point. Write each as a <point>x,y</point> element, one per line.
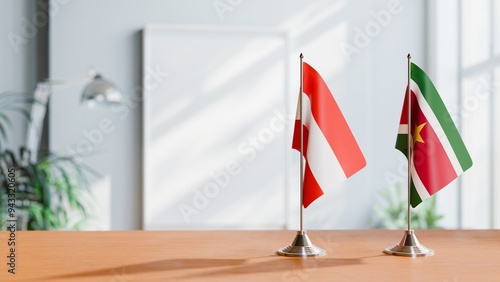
<point>461,255</point>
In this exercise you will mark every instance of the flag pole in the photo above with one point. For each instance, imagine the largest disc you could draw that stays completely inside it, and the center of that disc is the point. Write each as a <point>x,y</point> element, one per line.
<point>410,139</point>
<point>301,245</point>
<point>301,173</point>
<point>409,246</point>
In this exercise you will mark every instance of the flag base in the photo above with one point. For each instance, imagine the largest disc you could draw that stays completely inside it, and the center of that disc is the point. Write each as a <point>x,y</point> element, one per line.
<point>409,247</point>
<point>301,247</point>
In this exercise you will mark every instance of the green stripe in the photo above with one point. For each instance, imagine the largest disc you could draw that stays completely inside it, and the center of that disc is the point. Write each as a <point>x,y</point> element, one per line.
<point>415,199</point>
<point>432,97</point>
<point>402,143</point>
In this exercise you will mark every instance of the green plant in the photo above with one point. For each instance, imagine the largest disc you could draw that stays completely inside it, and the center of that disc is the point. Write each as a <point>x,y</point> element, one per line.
<point>53,191</point>
<point>393,212</point>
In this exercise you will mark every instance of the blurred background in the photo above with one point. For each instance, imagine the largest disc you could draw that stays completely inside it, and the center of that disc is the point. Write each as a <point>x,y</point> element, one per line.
<point>202,136</point>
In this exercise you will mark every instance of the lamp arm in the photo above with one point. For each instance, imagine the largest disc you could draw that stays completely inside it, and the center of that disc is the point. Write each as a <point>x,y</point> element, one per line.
<point>38,111</point>
<point>72,80</point>
<point>98,87</point>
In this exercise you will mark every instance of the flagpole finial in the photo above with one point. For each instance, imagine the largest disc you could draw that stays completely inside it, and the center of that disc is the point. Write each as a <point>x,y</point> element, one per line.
<point>409,56</point>
<point>301,56</point>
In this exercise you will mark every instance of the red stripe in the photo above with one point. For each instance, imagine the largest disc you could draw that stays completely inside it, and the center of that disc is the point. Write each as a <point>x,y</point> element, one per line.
<point>430,160</point>
<point>296,137</point>
<point>312,191</point>
<point>404,112</point>
<point>332,123</point>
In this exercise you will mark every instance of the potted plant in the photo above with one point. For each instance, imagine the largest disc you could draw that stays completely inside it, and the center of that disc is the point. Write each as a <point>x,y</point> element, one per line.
<point>392,214</point>
<point>51,192</point>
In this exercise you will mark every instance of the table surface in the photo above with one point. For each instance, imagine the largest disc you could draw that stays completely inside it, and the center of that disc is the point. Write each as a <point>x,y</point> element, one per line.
<point>352,255</point>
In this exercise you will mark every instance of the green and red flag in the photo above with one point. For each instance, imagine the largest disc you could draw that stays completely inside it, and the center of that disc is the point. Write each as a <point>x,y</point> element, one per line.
<point>439,155</point>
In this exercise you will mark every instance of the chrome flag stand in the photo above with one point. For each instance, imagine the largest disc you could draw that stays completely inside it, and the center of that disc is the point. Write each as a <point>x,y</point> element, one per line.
<point>301,245</point>
<point>409,246</point>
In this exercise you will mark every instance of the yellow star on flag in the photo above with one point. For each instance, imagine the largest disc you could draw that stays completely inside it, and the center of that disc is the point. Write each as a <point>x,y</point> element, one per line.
<point>417,137</point>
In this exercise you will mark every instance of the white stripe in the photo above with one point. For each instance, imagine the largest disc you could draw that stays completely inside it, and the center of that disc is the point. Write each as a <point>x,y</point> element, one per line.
<point>321,159</point>
<point>297,112</point>
<point>419,186</point>
<point>429,114</point>
<point>403,129</point>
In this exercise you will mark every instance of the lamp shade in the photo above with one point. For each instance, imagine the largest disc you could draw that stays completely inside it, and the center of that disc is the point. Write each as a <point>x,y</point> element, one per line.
<point>102,91</point>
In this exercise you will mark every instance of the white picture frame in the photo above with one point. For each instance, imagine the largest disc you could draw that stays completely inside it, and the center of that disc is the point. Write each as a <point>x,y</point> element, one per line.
<point>208,93</point>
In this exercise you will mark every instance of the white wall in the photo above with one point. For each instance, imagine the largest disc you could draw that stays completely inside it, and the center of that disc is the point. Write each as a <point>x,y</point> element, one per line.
<point>17,57</point>
<point>368,86</point>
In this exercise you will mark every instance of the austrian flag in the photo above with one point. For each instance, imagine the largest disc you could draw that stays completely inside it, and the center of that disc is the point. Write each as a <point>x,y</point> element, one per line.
<point>439,154</point>
<point>329,148</point>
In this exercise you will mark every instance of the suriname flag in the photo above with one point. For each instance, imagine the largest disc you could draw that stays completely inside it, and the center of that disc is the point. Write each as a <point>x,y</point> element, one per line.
<point>439,155</point>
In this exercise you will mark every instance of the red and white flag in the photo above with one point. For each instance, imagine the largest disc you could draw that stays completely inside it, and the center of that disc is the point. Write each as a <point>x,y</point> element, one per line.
<point>330,150</point>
